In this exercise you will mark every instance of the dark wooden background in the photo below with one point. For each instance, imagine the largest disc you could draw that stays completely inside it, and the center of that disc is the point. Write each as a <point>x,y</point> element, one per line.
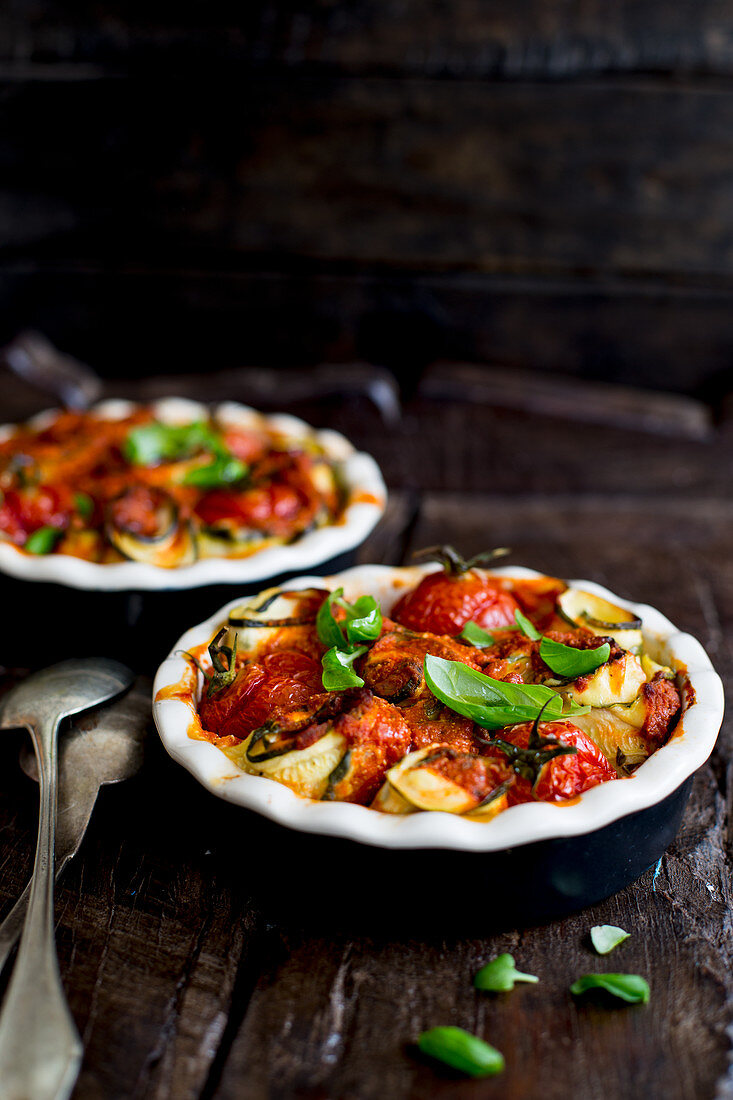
<point>531,183</point>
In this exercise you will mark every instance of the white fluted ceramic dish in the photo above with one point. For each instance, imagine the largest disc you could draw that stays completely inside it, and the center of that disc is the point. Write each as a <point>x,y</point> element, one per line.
<point>663,773</point>
<point>358,473</point>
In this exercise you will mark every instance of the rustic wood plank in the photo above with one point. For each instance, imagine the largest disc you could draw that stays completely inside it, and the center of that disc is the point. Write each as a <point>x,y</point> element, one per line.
<point>586,402</point>
<point>202,315</point>
<point>415,173</point>
<point>372,36</point>
<point>457,175</point>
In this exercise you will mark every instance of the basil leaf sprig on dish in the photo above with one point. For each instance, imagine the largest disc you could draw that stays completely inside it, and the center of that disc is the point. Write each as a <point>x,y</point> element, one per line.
<point>528,628</point>
<point>631,988</point>
<point>362,623</point>
<point>43,540</point>
<point>563,660</point>
<point>153,443</point>
<point>461,1050</point>
<point>476,636</point>
<point>499,975</point>
<point>569,662</point>
<point>224,470</point>
<point>493,703</point>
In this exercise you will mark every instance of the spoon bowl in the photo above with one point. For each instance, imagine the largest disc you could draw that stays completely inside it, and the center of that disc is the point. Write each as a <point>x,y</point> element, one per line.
<point>64,689</point>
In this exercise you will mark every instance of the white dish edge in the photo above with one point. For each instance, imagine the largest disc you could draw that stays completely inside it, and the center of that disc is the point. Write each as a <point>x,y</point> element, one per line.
<point>658,777</point>
<point>358,472</point>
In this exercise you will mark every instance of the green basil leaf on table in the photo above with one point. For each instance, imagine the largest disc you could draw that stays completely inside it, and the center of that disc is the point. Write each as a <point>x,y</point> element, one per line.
<point>528,628</point>
<point>493,703</point>
<point>461,1050</point>
<point>605,937</point>
<point>224,470</point>
<point>476,635</point>
<point>631,988</point>
<point>338,671</point>
<point>43,540</point>
<point>499,975</point>
<point>569,662</point>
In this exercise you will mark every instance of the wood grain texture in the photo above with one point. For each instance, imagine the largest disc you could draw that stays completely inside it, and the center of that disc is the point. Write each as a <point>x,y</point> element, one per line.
<point>187,979</point>
<point>464,39</point>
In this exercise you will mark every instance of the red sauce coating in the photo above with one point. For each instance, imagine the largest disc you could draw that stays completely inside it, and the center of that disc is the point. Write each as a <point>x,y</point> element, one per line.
<point>45,473</point>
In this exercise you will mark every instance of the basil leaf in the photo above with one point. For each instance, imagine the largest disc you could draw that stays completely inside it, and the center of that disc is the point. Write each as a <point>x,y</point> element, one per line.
<point>461,1050</point>
<point>569,662</point>
<point>224,470</point>
<point>43,540</point>
<point>627,987</point>
<point>527,628</point>
<point>605,937</point>
<point>329,631</point>
<point>363,622</point>
<point>363,619</point>
<point>156,442</point>
<point>83,504</point>
<point>476,635</point>
<point>338,673</point>
<point>500,974</point>
<point>492,703</point>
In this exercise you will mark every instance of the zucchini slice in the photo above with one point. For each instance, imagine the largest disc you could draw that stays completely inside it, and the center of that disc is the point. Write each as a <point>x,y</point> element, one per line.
<point>617,739</point>
<point>582,609</point>
<point>421,786</point>
<point>426,789</point>
<point>390,801</point>
<point>618,681</point>
<point>305,771</point>
<point>215,542</point>
<point>257,622</point>
<point>171,545</point>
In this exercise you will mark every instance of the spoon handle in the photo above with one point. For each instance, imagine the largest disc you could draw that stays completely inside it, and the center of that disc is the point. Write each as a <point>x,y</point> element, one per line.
<point>71,826</point>
<point>40,1051</point>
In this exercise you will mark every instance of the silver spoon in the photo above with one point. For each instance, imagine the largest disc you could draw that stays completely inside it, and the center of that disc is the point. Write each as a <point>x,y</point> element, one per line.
<point>104,747</point>
<point>40,1051</point>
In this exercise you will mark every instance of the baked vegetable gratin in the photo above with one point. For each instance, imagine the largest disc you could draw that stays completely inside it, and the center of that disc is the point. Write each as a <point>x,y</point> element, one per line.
<point>108,489</point>
<point>479,692</point>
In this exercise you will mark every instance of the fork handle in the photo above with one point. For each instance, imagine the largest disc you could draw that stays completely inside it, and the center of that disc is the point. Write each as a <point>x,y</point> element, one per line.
<point>40,1050</point>
<point>69,834</point>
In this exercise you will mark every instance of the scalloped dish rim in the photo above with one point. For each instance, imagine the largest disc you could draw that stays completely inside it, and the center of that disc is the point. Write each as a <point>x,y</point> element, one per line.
<point>358,472</point>
<point>661,774</point>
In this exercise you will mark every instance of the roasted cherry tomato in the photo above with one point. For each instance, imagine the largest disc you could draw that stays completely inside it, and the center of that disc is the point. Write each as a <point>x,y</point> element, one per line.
<point>26,510</point>
<point>272,687</point>
<point>562,777</point>
<point>445,601</point>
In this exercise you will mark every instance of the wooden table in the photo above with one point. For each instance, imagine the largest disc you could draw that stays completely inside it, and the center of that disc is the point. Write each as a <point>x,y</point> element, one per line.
<point>182,984</point>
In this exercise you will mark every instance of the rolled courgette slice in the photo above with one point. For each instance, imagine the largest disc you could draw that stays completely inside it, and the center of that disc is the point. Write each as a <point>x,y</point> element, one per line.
<point>171,545</point>
<point>268,613</point>
<point>305,771</point>
<point>223,543</point>
<point>389,801</point>
<point>583,609</point>
<point>617,739</point>
<point>426,789</point>
<point>618,681</point>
